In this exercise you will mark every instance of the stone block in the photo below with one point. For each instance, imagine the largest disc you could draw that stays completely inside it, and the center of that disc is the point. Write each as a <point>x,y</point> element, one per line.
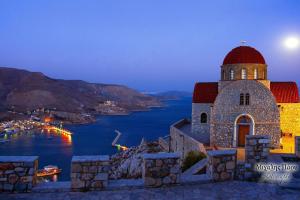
<point>87,176</point>
<point>97,184</point>
<point>149,181</point>
<point>3,179</point>
<point>221,167</point>
<point>76,168</point>
<point>12,179</point>
<point>101,177</point>
<point>31,171</point>
<point>175,170</point>
<point>225,176</point>
<point>77,184</point>
<point>19,169</point>
<point>9,172</point>
<point>159,163</point>
<point>26,179</point>
<point>93,169</point>
<point>21,187</point>
<point>263,141</point>
<point>230,165</point>
<point>8,187</point>
<point>167,180</point>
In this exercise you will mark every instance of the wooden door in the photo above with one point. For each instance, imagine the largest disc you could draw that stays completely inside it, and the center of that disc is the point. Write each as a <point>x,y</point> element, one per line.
<point>243,131</point>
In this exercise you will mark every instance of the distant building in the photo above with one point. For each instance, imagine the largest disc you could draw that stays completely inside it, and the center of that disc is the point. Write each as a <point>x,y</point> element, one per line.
<point>244,102</point>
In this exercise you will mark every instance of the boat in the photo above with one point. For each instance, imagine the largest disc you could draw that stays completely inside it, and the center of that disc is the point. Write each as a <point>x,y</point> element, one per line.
<point>48,170</point>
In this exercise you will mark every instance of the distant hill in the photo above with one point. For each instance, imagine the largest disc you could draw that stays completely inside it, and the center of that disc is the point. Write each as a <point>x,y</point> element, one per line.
<point>23,91</point>
<point>172,95</point>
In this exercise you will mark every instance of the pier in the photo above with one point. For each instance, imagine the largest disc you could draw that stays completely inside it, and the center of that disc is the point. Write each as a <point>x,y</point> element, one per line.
<point>60,130</point>
<point>114,143</point>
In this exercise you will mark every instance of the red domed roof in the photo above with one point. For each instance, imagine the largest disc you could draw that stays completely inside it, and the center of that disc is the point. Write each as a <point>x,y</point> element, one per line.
<point>244,54</point>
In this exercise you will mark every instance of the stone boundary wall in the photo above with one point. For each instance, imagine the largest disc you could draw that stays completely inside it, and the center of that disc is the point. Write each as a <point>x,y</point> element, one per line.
<point>222,164</point>
<point>257,150</point>
<point>181,142</point>
<point>89,172</point>
<point>18,173</point>
<point>161,169</point>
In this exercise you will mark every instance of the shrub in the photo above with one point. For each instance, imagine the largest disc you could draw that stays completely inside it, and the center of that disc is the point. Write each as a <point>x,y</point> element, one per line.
<point>192,158</point>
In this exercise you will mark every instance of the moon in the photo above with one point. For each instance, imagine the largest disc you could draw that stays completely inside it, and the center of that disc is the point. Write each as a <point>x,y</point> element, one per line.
<point>292,43</point>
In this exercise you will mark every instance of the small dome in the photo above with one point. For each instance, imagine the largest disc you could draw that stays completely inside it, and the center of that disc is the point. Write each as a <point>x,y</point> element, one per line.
<point>244,54</point>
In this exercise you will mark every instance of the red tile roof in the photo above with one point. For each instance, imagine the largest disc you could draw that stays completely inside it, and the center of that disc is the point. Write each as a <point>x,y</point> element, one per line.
<point>205,92</point>
<point>285,92</point>
<point>244,54</point>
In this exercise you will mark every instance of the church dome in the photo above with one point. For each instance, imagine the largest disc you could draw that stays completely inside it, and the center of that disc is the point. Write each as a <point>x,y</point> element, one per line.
<point>244,54</point>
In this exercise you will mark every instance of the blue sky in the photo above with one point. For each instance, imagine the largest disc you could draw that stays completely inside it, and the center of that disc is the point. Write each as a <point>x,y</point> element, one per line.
<point>149,45</point>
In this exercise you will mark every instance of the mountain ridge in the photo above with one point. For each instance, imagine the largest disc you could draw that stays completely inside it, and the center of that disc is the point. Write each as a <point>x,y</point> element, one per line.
<point>23,91</point>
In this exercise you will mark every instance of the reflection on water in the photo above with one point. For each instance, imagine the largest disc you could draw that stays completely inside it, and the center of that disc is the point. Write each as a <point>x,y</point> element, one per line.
<point>53,178</point>
<point>96,138</point>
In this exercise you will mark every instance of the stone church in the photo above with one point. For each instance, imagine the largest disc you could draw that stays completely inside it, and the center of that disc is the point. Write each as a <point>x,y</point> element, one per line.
<point>245,102</point>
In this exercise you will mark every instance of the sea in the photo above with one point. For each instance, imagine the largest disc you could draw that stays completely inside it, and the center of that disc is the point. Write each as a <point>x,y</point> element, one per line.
<point>96,138</point>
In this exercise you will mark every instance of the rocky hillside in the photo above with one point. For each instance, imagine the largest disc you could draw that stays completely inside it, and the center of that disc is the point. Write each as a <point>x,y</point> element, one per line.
<point>23,91</point>
<point>128,164</point>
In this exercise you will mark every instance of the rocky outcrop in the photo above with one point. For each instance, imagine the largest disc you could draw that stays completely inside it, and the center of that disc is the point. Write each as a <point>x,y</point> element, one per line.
<point>128,164</point>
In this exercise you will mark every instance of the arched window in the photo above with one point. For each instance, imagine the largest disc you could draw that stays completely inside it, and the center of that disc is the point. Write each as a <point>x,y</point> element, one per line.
<point>255,73</point>
<point>247,99</point>
<point>244,74</point>
<point>231,75</point>
<point>203,118</point>
<point>223,75</point>
<point>242,101</point>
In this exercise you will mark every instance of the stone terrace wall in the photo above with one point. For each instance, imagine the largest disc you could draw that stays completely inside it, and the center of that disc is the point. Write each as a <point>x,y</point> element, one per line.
<point>161,169</point>
<point>18,173</point>
<point>222,164</point>
<point>89,172</point>
<point>181,142</point>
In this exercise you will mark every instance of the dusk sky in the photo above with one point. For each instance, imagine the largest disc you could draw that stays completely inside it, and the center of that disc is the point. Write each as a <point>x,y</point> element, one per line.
<point>149,45</point>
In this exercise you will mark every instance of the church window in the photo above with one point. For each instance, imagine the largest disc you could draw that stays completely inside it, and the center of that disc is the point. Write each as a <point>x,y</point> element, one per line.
<point>247,99</point>
<point>223,75</point>
<point>242,99</point>
<point>244,74</point>
<point>255,73</point>
<point>203,118</point>
<point>231,74</point>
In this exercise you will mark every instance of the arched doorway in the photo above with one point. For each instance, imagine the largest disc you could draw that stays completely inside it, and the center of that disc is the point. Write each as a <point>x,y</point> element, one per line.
<point>243,126</point>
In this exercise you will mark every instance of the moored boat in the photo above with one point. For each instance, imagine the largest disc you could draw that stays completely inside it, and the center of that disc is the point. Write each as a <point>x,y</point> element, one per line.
<point>48,170</point>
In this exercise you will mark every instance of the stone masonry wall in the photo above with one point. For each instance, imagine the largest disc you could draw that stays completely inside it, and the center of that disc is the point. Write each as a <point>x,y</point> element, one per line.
<point>181,142</point>
<point>18,173</point>
<point>89,172</point>
<point>197,126</point>
<point>256,150</point>
<point>263,109</point>
<point>237,68</point>
<point>222,164</point>
<point>290,118</point>
<point>161,169</point>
